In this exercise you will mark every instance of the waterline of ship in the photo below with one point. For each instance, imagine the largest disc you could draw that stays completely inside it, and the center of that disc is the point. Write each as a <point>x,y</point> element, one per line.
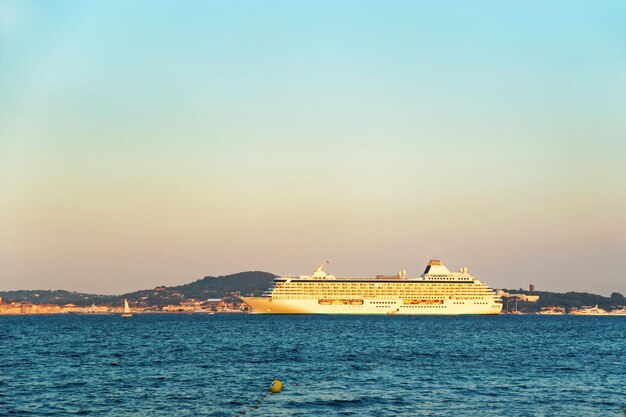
<point>436,292</point>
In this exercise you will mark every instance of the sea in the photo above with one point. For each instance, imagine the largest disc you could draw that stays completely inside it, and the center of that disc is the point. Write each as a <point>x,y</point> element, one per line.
<point>223,364</point>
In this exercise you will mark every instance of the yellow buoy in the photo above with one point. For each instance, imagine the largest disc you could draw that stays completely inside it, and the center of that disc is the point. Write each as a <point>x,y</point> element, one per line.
<point>276,386</point>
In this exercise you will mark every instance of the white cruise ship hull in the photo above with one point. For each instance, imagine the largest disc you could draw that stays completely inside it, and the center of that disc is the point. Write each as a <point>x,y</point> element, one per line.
<point>267,305</point>
<point>436,292</point>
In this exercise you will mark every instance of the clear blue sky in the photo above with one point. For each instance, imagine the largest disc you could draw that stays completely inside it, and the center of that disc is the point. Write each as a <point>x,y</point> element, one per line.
<point>146,143</point>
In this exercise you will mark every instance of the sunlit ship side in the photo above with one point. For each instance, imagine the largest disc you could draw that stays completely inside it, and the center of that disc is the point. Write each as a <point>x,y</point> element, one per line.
<point>437,291</point>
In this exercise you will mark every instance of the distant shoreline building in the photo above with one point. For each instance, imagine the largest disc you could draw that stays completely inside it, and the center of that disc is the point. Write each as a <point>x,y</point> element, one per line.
<point>522,297</point>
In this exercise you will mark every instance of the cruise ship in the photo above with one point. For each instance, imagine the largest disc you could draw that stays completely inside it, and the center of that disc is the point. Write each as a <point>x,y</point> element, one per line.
<point>437,291</point>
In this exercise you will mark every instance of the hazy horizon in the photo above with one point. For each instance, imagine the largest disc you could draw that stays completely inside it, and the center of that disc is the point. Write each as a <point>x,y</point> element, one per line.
<point>328,270</point>
<point>144,144</point>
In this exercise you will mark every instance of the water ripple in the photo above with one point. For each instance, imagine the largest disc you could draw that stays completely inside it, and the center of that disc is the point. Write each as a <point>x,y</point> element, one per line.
<point>221,365</point>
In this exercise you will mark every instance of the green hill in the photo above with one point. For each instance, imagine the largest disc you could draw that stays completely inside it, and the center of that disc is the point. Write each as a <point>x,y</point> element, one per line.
<point>244,283</point>
<point>59,297</point>
<point>252,282</point>
<point>567,300</point>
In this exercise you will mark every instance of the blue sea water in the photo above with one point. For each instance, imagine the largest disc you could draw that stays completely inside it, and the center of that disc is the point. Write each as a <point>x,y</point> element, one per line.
<point>222,365</point>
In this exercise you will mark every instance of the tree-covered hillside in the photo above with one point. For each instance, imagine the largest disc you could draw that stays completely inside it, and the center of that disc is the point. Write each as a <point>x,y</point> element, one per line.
<point>59,297</point>
<point>253,282</point>
<point>245,283</point>
<point>567,300</point>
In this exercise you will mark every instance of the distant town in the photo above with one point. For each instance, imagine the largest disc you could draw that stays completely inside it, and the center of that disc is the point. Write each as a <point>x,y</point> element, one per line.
<point>521,302</point>
<point>206,295</point>
<point>222,295</point>
<point>230,304</point>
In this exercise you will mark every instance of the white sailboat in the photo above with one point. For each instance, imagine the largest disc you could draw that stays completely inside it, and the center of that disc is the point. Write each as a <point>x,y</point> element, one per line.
<point>127,312</point>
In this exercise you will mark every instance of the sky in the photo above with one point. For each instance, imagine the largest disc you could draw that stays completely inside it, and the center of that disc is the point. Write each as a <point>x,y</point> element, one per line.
<point>157,142</point>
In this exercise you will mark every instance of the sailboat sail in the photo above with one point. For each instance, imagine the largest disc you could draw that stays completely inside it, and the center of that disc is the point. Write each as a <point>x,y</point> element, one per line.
<point>126,307</point>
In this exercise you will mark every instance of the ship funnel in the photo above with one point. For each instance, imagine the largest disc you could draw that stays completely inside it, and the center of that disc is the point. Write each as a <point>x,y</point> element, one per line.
<point>435,267</point>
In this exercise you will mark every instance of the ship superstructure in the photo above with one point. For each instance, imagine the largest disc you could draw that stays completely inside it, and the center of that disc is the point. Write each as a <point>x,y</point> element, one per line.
<point>436,291</point>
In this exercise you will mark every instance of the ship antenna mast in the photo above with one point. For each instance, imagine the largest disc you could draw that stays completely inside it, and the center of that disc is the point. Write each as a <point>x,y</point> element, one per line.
<point>320,266</point>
